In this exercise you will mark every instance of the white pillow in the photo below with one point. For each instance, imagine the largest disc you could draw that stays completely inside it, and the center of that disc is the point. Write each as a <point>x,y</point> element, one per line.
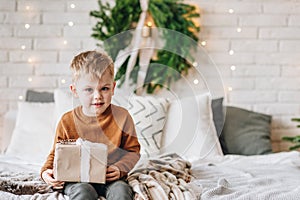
<point>149,116</point>
<point>9,123</point>
<point>190,130</point>
<point>34,132</point>
<point>64,102</point>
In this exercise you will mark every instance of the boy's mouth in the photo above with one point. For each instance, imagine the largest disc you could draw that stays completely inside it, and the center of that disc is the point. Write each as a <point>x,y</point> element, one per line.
<point>98,104</point>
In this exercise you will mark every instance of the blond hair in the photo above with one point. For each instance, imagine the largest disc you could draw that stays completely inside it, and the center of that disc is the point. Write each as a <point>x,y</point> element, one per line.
<point>94,63</point>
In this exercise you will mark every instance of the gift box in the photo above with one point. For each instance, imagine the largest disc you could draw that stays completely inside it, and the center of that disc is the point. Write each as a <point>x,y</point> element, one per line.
<point>80,161</point>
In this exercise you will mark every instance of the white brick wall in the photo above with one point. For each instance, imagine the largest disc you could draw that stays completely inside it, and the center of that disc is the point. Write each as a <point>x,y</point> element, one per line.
<point>38,31</point>
<point>6,30</point>
<point>294,20</point>
<point>263,20</point>
<point>14,69</point>
<point>56,43</point>
<point>3,81</point>
<point>254,45</point>
<point>281,7</point>
<point>44,5</point>
<point>35,82</point>
<point>59,18</point>
<point>255,70</point>
<point>7,5</point>
<point>21,18</point>
<point>33,56</point>
<point>264,36</point>
<point>11,43</point>
<point>289,45</point>
<point>52,69</point>
<point>280,33</point>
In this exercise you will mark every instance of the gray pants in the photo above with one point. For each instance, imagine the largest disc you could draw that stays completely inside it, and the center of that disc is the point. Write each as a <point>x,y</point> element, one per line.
<point>91,191</point>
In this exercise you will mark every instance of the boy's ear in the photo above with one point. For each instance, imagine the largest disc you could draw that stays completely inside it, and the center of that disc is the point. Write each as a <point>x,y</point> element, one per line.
<point>73,90</point>
<point>114,86</point>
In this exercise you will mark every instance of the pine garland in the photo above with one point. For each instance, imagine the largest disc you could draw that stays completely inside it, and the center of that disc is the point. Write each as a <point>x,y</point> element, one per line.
<point>295,139</point>
<point>169,14</point>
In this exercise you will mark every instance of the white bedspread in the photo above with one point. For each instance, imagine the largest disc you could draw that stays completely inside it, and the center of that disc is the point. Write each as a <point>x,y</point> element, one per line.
<point>274,176</point>
<point>11,163</point>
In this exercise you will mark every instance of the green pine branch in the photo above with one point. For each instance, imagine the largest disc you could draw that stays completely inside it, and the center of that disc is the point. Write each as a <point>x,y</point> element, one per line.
<point>294,139</point>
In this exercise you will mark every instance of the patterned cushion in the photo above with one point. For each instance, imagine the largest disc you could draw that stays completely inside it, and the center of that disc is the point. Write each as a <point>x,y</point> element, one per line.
<point>149,116</point>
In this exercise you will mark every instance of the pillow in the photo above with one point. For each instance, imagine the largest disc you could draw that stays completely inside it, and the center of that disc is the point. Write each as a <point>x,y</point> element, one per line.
<point>35,96</point>
<point>149,116</point>
<point>9,123</point>
<point>246,132</point>
<point>218,115</point>
<point>64,102</point>
<point>34,132</point>
<point>189,129</point>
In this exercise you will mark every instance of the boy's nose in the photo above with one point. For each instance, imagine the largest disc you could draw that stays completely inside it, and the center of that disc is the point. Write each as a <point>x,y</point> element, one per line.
<point>97,94</point>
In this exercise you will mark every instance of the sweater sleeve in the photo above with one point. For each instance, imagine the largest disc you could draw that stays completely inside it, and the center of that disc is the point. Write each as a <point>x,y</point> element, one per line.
<point>130,147</point>
<point>58,136</point>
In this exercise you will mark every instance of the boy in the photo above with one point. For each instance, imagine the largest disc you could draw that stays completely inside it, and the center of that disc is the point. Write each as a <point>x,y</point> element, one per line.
<point>97,120</point>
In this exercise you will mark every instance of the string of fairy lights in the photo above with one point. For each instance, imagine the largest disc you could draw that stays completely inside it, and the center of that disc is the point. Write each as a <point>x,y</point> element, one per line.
<point>231,52</point>
<point>32,59</point>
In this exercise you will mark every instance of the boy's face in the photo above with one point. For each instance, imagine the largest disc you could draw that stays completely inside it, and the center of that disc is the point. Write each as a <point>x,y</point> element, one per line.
<point>94,94</point>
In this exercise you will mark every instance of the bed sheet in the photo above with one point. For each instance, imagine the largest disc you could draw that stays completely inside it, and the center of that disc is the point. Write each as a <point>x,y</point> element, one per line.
<point>272,176</point>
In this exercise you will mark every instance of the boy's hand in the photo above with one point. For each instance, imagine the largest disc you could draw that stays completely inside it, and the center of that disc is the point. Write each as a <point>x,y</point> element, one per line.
<point>47,175</point>
<point>112,173</point>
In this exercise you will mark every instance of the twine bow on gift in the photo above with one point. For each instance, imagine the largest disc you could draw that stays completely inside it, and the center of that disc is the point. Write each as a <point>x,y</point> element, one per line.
<point>85,160</point>
<point>86,157</point>
<point>142,44</point>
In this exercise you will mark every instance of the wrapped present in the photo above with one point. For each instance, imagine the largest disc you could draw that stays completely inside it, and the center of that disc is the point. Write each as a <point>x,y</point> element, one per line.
<point>80,161</point>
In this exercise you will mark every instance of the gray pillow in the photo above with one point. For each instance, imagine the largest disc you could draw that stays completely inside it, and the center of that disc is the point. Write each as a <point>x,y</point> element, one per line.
<point>35,96</point>
<point>246,132</point>
<point>218,115</point>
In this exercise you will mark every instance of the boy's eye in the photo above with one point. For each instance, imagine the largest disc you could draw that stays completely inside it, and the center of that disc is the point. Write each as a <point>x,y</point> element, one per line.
<point>88,90</point>
<point>105,88</point>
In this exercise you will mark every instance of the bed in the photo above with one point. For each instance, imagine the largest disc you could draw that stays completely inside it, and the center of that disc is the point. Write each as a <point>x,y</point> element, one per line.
<point>183,144</point>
